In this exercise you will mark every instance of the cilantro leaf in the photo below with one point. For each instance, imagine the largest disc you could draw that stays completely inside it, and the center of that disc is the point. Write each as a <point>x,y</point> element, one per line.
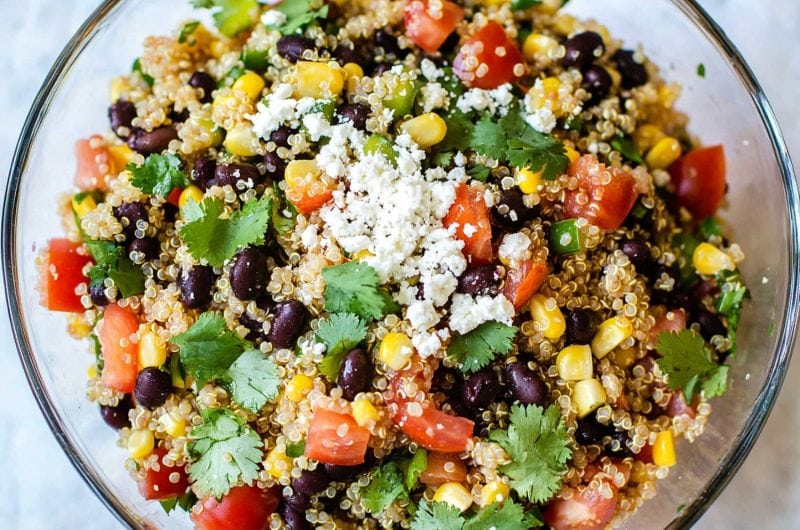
<point>226,451</point>
<point>216,239</point>
<point>416,465</point>
<point>184,502</point>
<point>686,361</point>
<point>509,516</point>
<point>385,486</point>
<point>159,174</point>
<point>231,16</point>
<point>729,304</point>
<point>209,348</point>
<point>489,138</point>
<point>111,261</point>
<point>296,450</point>
<point>187,30</point>
<point>520,5</point>
<point>476,349</point>
<point>708,227</point>
<point>537,442</point>
<point>137,68</point>
<point>627,148</point>
<point>340,333</point>
<point>354,287</point>
<point>253,380</point>
<point>299,14</point>
<point>701,70</point>
<point>280,208</point>
<point>479,173</point>
<point>437,516</point>
<point>457,137</point>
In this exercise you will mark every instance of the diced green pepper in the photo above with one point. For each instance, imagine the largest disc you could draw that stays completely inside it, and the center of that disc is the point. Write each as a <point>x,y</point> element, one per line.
<point>176,371</point>
<point>295,450</point>
<point>377,144</point>
<point>256,60</point>
<point>401,101</point>
<point>566,238</point>
<point>326,107</point>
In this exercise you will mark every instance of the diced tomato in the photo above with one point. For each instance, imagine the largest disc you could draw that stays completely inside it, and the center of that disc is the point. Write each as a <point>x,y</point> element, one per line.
<point>587,510</point>
<point>433,429</point>
<point>242,508</point>
<point>677,406</point>
<point>521,284</point>
<point>605,205</point>
<point>443,467</point>
<point>120,363</point>
<point>308,199</point>
<point>489,59</point>
<point>157,484</point>
<point>174,197</point>
<point>335,438</point>
<point>61,275</point>
<point>474,228</point>
<point>94,164</point>
<point>674,321</point>
<point>427,31</point>
<point>699,179</point>
<point>645,454</point>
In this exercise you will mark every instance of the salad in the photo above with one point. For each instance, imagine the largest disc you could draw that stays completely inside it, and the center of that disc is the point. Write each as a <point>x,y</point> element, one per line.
<point>398,264</point>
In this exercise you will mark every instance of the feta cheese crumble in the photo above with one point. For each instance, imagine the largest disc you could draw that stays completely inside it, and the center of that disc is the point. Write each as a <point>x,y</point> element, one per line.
<point>467,313</point>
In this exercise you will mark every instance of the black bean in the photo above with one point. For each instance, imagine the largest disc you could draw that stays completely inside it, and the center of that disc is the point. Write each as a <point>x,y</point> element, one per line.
<point>249,273</point>
<point>673,299</point>
<point>633,74</point>
<point>380,68</point>
<point>152,387</point>
<point>480,389</point>
<point>275,166</point>
<point>281,135</point>
<point>355,113</point>
<point>637,251</point>
<point>97,292</point>
<point>341,473</point>
<point>298,501</point>
<point>309,483</point>
<point>388,42</point>
<point>204,82</point>
<point>590,431</point>
<point>203,172</point>
<point>355,374</point>
<point>291,47</point>
<point>597,81</point>
<point>655,271</point>
<point>121,114</point>
<point>255,329</point>
<point>525,384</point>
<point>287,324</point>
<point>582,49</point>
<point>294,519</point>
<point>179,117</point>
<point>446,380</point>
<point>510,209</point>
<point>346,54</point>
<point>480,280</point>
<point>117,417</point>
<point>148,246</point>
<point>624,450</point>
<point>710,324</point>
<point>265,302</point>
<point>129,214</point>
<point>581,326</point>
<point>151,142</point>
<point>195,285</point>
<point>170,211</point>
<point>450,43</point>
<point>232,174</point>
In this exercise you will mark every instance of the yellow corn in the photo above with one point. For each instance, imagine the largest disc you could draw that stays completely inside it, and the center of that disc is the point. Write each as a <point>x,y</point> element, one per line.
<point>190,193</point>
<point>121,155</point>
<point>365,413</point>
<point>78,327</point>
<point>141,443</point>
<point>362,255</point>
<point>242,141</point>
<point>118,87</point>
<point>550,7</point>
<point>152,350</point>
<point>277,463</point>
<point>298,387</point>
<point>494,491</point>
<point>667,94</point>
<point>83,206</point>
<point>588,395</point>
<point>664,153</point>
<point>395,350</point>
<point>426,130</point>
<point>219,48</point>
<point>610,334</point>
<point>546,92</point>
<point>708,259</point>
<point>91,372</point>
<point>624,358</point>
<point>455,495</point>
<point>354,75</point>
<point>215,136</point>
<point>574,363</point>
<point>318,80</point>
<point>664,449</point>
<point>639,472</point>
<point>646,136</point>
<point>528,181</point>
<point>299,172</point>
<point>572,154</point>
<point>173,426</point>
<point>537,46</point>
<point>251,84</point>
<point>548,316</point>
<point>565,24</point>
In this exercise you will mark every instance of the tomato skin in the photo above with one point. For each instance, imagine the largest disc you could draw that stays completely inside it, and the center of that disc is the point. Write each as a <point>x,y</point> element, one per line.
<point>674,325</point>
<point>326,445</point>
<point>434,430</point>
<point>482,47</point>
<point>62,275</point>
<point>677,405</point>
<point>521,284</point>
<point>174,197</point>
<point>436,473</point>
<point>699,179</point>
<point>587,510</point>
<point>604,205</point>
<point>470,208</point>
<point>645,454</point>
<point>156,485</point>
<point>93,164</point>
<point>242,508</point>
<point>427,32</point>
<point>307,204</point>
<point>120,363</point>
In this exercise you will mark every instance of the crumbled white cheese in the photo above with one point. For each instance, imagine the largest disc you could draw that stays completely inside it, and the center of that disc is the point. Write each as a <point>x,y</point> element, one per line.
<point>542,120</point>
<point>309,237</point>
<point>460,160</point>
<point>426,344</point>
<point>434,96</point>
<point>514,249</point>
<point>496,101</point>
<point>470,230</point>
<point>273,18</point>
<point>430,70</point>
<point>467,313</point>
<point>278,108</point>
<point>422,315</point>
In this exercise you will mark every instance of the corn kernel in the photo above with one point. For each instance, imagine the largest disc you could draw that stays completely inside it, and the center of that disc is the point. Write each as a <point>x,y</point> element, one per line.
<point>354,75</point>
<point>646,136</point>
<point>494,491</point>
<point>551,321</point>
<point>545,94</point>
<point>365,413</point>
<point>215,136</point>
<point>708,259</point>
<point>639,472</point>
<point>455,495</point>
<point>395,350</point>
<point>298,387</point>
<point>242,141</point>
<point>362,255</point>
<point>610,334</point>
<point>173,426</point>
<point>141,443</point>
<point>537,46</point>
<point>572,154</point>
<point>426,130</point>
<point>121,155</point>
<point>219,48</point>
<point>298,172</point>
<point>565,24</point>
<point>277,463</point>
<point>92,372</point>
<point>664,153</point>
<point>251,84</point>
<point>83,205</point>
<point>664,449</point>
<point>528,181</point>
<point>318,80</point>
<point>118,87</point>
<point>152,350</point>
<point>667,94</point>
<point>624,358</point>
<point>190,193</point>
<point>588,395</point>
<point>78,327</point>
<point>574,363</point>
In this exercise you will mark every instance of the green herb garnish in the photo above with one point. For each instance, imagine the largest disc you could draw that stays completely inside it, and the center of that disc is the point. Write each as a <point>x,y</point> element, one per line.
<point>687,363</point>
<point>159,174</point>
<point>479,347</point>
<point>340,333</point>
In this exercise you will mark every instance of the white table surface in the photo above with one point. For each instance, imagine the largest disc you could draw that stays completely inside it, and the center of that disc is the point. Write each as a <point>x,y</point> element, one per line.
<point>40,489</point>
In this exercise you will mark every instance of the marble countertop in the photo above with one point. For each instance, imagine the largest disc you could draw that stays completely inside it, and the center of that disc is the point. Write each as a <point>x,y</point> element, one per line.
<point>44,491</point>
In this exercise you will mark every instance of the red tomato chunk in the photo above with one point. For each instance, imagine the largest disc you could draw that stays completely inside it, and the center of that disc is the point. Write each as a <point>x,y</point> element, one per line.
<point>474,227</point>
<point>62,275</point>
<point>335,438</point>
<point>159,484</point>
<point>699,179</point>
<point>489,59</point>
<point>604,196</point>
<point>242,508</point>
<point>428,29</point>
<point>120,355</point>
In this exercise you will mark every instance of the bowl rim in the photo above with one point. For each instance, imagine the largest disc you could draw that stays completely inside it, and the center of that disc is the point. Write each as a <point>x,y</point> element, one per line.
<point>764,401</point>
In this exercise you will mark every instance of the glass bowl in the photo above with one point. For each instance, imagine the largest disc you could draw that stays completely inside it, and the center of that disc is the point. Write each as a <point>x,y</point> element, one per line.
<point>726,106</point>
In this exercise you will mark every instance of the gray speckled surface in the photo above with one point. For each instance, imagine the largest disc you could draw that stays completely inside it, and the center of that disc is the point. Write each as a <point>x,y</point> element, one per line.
<point>39,488</point>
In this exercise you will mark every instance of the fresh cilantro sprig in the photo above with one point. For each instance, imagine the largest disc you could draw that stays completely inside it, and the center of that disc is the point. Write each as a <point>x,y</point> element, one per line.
<point>479,347</point>
<point>214,238</point>
<point>729,304</point>
<point>159,174</point>
<point>508,515</point>
<point>231,16</point>
<point>538,445</point>
<point>253,380</point>
<point>111,261</point>
<point>687,363</point>
<point>340,333</point>
<point>354,287</point>
<point>208,348</point>
<point>386,485</point>
<point>626,147</point>
<point>299,14</point>
<point>226,451</point>
<point>184,502</point>
<point>414,467</point>
<point>283,212</point>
